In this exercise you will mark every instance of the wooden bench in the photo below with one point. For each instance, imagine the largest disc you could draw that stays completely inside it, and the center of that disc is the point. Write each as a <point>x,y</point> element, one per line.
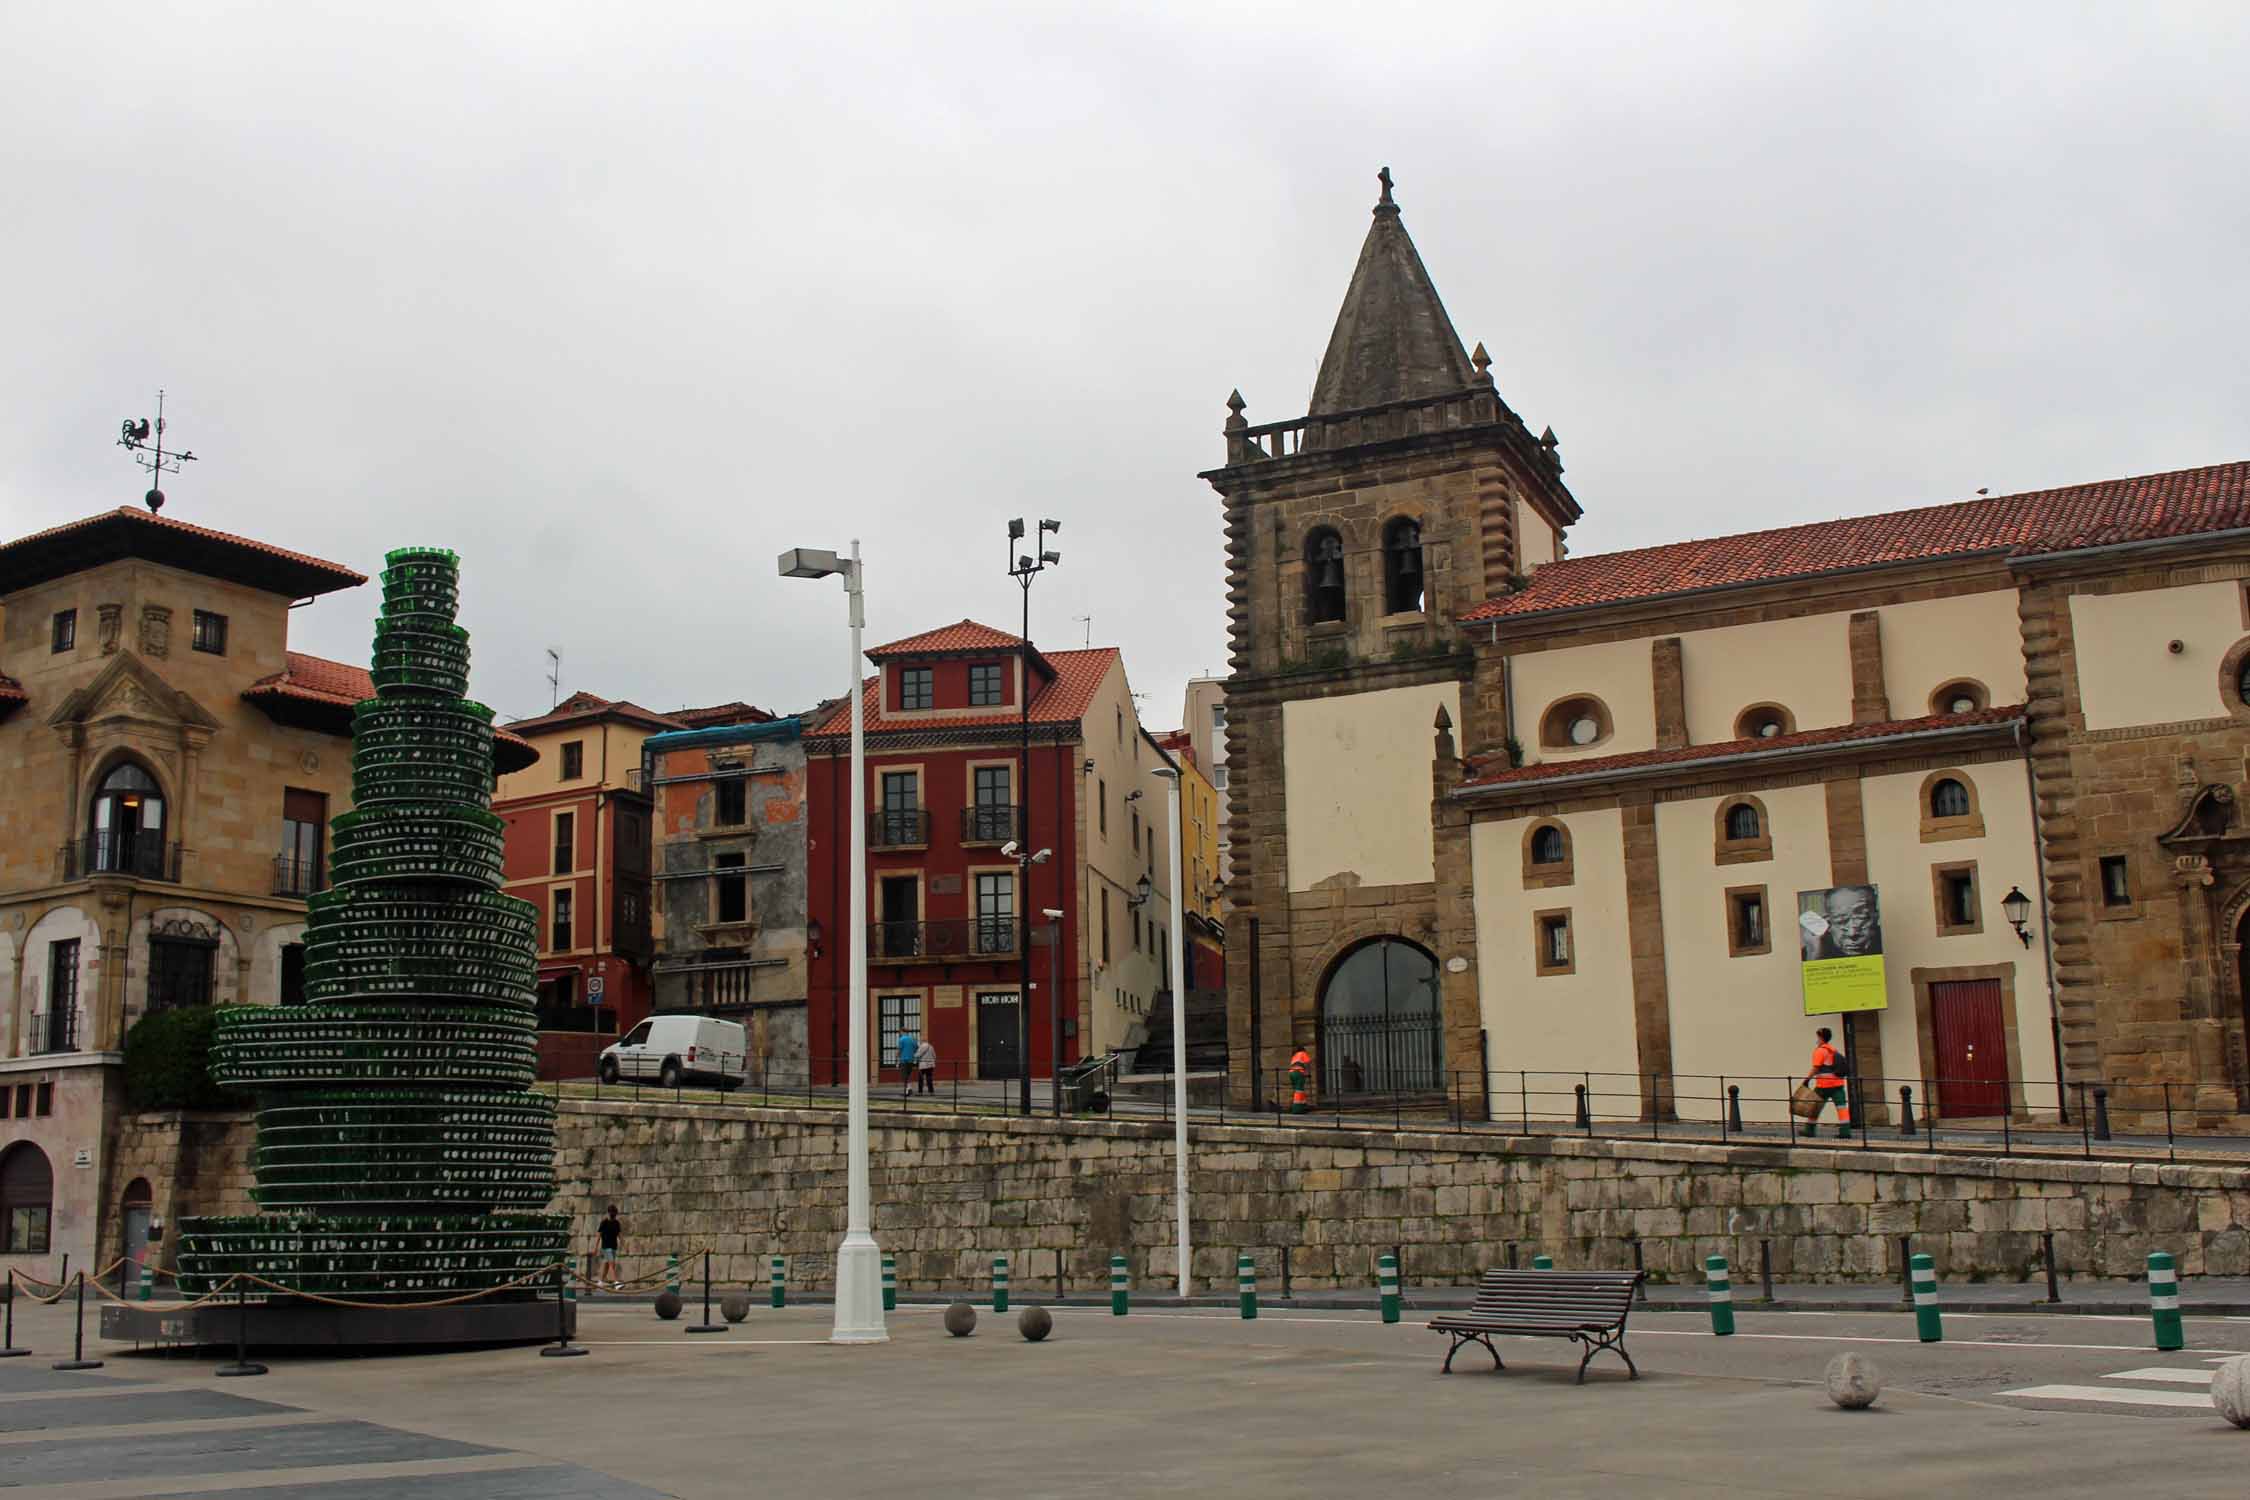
<point>1587,1307</point>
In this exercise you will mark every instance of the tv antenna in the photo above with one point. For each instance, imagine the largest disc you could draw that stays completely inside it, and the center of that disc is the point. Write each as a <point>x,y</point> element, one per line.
<point>1088,622</point>
<point>554,678</point>
<point>145,441</point>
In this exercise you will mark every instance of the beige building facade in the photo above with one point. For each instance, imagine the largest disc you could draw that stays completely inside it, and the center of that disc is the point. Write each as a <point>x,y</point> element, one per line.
<point>1511,824</point>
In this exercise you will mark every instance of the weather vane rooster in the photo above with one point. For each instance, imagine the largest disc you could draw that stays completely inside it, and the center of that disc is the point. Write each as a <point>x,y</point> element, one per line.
<point>145,441</point>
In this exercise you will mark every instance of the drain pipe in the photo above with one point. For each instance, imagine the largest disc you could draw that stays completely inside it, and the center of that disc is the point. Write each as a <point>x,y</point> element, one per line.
<point>2046,923</point>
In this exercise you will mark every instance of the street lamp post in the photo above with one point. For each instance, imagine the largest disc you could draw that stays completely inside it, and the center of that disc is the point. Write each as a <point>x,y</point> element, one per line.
<point>1178,946</point>
<point>1023,567</point>
<point>859,1263</point>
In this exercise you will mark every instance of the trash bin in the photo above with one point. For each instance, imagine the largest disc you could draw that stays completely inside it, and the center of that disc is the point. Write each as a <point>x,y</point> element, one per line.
<point>1085,1086</point>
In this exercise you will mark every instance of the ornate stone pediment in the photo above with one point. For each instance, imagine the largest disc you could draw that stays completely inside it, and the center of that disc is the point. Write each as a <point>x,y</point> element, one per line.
<point>128,694</point>
<point>2210,817</point>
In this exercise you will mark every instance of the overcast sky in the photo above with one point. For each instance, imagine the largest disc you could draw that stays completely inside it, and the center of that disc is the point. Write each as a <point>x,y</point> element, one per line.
<point>619,301</point>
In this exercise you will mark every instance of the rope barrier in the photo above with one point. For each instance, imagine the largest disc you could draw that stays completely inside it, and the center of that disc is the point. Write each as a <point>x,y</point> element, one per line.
<point>651,1279</point>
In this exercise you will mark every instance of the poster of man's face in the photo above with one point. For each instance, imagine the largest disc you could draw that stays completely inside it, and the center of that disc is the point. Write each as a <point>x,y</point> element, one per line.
<point>1844,921</point>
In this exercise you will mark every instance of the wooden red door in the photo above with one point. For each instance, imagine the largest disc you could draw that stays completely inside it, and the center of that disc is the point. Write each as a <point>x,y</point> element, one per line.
<point>1972,1048</point>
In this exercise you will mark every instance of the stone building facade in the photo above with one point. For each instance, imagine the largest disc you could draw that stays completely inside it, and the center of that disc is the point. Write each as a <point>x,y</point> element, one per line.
<point>1581,822</point>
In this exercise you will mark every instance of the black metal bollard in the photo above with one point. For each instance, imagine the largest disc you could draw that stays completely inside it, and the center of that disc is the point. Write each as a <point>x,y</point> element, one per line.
<point>1640,1287</point>
<point>8,1349</point>
<point>242,1365</point>
<point>1906,1110</point>
<point>2047,1251</point>
<point>562,1347</point>
<point>707,1326</point>
<point>1734,1107</point>
<point>1285,1273</point>
<point>1511,1255</point>
<point>1585,1120</point>
<point>1765,1269</point>
<point>1905,1270</point>
<point>2101,1112</point>
<point>78,1359</point>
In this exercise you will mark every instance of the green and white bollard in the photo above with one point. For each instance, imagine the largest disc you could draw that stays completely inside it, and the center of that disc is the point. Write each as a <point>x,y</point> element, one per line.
<point>148,1280</point>
<point>1722,1295</point>
<point>1928,1321</point>
<point>1120,1290</point>
<point>1542,1263</point>
<point>1386,1282</point>
<point>2164,1300</point>
<point>890,1283</point>
<point>999,1283</point>
<point>1246,1284</point>
<point>780,1280</point>
<point>672,1273</point>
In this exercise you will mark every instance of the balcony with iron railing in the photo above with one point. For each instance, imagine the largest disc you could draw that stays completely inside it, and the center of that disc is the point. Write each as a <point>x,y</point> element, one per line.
<point>952,940</point>
<point>53,1031</point>
<point>991,823</point>
<point>898,828</point>
<point>141,856</point>
<point>298,877</point>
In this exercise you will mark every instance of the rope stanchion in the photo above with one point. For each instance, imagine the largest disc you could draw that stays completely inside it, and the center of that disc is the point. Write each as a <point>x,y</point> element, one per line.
<point>562,1347</point>
<point>8,1349</point>
<point>707,1326</point>
<point>241,1364</point>
<point>78,1359</point>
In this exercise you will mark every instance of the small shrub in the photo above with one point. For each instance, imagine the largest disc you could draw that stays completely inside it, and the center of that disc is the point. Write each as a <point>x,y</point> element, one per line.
<point>168,1062</point>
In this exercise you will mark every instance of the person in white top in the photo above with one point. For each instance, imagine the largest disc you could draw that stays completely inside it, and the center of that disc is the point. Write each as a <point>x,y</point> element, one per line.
<point>925,1066</point>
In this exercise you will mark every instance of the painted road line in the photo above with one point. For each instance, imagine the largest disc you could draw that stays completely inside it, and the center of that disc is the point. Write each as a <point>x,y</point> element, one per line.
<point>2113,1396</point>
<point>2157,1372</point>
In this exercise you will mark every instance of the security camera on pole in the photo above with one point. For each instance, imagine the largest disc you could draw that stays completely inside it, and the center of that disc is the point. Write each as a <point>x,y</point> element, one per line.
<point>859,1261</point>
<point>1023,567</point>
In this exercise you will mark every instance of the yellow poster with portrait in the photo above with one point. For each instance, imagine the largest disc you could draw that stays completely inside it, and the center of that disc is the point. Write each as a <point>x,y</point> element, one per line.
<point>1840,944</point>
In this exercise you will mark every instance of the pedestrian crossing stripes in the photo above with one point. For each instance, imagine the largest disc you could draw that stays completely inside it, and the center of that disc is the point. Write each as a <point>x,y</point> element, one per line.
<point>2158,1376</point>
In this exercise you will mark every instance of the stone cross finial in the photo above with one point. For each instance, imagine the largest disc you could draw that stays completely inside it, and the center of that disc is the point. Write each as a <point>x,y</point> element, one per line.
<point>1384,177</point>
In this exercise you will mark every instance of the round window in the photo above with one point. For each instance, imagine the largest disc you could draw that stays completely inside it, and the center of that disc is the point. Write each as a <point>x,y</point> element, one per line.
<point>1585,729</point>
<point>1957,698</point>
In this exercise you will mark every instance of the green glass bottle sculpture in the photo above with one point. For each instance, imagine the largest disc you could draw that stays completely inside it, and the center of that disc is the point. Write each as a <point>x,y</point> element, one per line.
<point>401,1153</point>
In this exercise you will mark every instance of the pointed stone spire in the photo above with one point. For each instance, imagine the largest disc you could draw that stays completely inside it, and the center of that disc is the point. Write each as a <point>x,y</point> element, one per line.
<point>1393,340</point>
<point>1483,362</point>
<point>1235,404</point>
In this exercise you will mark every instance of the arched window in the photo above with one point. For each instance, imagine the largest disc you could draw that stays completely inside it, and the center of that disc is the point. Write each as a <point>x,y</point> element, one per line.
<point>1548,846</point>
<point>1949,807</point>
<point>27,1193</point>
<point>1962,697</point>
<point>126,828</point>
<point>1381,1022</point>
<point>1575,723</point>
<point>1324,576</point>
<point>1764,721</point>
<point>1949,799</point>
<point>1547,856</point>
<point>1402,566</point>
<point>1743,822</point>
<point>2242,683</point>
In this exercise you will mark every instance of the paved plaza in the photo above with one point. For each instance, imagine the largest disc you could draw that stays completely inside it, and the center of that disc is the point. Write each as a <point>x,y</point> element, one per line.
<point>1299,1404</point>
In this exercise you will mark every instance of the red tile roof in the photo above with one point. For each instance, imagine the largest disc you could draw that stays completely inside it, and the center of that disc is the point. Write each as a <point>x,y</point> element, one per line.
<point>130,532</point>
<point>964,635</point>
<point>338,685</point>
<point>1063,700</point>
<point>721,714</point>
<point>1804,739</point>
<point>2150,507</point>
<point>580,708</point>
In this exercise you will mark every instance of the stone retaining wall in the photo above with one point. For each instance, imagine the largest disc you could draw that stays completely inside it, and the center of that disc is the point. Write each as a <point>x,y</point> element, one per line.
<point>950,1193</point>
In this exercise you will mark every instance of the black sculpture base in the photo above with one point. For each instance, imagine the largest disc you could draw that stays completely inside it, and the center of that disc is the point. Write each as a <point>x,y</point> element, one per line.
<point>286,1324</point>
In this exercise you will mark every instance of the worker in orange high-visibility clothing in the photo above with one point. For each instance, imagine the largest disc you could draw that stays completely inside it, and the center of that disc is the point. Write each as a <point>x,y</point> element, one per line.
<point>1300,1079</point>
<point>1827,1080</point>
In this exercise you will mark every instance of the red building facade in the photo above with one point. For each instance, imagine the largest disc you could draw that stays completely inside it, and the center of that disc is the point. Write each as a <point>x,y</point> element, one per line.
<point>949,912</point>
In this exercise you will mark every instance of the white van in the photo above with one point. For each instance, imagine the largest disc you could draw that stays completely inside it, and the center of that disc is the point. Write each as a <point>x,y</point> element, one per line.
<point>672,1050</point>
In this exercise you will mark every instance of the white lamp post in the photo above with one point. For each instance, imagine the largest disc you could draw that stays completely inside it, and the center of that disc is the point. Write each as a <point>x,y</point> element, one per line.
<point>859,1262</point>
<point>1179,1025</point>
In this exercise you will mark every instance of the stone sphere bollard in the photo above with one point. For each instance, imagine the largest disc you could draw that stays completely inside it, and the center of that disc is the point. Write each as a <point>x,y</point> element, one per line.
<point>735,1306</point>
<point>1853,1381</point>
<point>667,1305</point>
<point>960,1319</point>
<point>2230,1390</point>
<point>1035,1323</point>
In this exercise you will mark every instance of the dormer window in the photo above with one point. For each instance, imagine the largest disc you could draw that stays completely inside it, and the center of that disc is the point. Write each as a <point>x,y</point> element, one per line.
<point>1763,721</point>
<point>916,687</point>
<point>1402,566</point>
<point>984,684</point>
<point>1962,697</point>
